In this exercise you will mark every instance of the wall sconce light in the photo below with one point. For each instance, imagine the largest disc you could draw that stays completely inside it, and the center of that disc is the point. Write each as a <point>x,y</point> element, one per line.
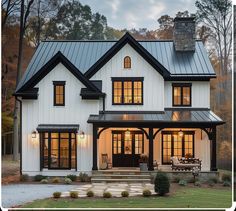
<point>180,133</point>
<point>34,134</point>
<point>82,135</point>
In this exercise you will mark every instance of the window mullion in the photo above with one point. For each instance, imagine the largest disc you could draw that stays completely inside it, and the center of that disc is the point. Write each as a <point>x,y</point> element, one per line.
<point>132,84</point>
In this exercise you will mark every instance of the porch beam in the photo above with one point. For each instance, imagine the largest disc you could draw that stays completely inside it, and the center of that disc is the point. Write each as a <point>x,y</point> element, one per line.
<point>213,149</point>
<point>95,135</point>
<point>150,164</point>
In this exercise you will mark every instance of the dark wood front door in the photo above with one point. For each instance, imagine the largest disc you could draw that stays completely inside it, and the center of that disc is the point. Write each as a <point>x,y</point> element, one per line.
<point>126,148</point>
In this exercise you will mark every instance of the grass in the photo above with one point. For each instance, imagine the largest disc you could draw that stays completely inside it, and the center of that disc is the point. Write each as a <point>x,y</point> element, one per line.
<point>184,197</point>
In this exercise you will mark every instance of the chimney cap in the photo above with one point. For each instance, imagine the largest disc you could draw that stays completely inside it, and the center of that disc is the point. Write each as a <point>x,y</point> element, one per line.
<point>184,19</point>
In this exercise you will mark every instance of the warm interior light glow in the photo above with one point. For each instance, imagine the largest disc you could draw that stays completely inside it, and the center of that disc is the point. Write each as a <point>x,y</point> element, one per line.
<point>127,134</point>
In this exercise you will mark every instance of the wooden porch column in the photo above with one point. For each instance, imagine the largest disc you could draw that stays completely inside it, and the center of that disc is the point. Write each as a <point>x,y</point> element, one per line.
<point>150,164</point>
<point>95,148</point>
<point>213,149</point>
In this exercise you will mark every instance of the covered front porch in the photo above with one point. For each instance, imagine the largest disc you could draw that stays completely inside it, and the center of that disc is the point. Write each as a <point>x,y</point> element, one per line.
<point>124,136</point>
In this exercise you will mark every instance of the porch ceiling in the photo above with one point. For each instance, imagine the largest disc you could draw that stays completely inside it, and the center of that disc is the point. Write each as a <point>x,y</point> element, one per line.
<point>169,118</point>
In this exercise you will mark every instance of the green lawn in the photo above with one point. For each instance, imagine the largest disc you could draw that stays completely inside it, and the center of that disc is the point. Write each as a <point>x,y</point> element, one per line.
<point>184,197</point>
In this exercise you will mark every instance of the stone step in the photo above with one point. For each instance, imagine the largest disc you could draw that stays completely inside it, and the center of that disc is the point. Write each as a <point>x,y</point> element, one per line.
<point>133,180</point>
<point>121,176</point>
<point>120,172</point>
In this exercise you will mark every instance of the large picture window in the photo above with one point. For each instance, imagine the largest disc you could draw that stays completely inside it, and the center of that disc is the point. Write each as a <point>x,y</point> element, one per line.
<point>127,91</point>
<point>59,93</point>
<point>58,150</point>
<point>181,94</point>
<point>175,145</point>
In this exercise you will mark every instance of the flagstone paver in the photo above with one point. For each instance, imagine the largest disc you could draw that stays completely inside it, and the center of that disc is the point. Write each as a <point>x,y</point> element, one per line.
<point>115,189</point>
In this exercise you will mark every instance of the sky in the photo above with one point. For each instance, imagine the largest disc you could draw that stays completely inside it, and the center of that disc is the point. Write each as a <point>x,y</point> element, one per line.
<point>129,14</point>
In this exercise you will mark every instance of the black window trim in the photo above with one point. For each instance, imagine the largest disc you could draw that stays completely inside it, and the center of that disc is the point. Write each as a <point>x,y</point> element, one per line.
<point>127,57</point>
<point>122,80</point>
<point>181,85</point>
<point>183,141</point>
<point>58,83</point>
<point>42,137</point>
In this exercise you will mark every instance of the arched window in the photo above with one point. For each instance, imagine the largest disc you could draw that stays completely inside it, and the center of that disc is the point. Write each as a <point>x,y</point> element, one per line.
<point>127,62</point>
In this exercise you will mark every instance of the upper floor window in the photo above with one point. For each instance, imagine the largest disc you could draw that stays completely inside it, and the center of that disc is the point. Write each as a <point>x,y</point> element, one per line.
<point>127,62</point>
<point>181,94</point>
<point>59,93</point>
<point>127,91</point>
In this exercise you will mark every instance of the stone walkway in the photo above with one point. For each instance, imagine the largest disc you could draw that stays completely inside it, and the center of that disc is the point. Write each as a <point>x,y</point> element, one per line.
<point>115,189</point>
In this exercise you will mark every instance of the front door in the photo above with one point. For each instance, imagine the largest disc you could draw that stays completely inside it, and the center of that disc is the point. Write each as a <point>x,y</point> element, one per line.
<point>126,148</point>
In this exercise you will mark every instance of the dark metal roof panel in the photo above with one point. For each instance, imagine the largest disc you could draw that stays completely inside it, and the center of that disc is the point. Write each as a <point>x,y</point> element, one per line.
<point>57,127</point>
<point>83,54</point>
<point>170,116</point>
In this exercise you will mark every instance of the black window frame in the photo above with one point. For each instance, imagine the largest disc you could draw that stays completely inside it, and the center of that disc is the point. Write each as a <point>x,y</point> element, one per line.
<point>42,138</point>
<point>172,145</point>
<point>181,86</point>
<point>127,79</point>
<point>55,84</point>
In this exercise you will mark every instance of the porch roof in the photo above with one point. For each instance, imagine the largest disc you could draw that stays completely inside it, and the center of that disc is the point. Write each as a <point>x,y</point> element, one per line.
<point>172,117</point>
<point>57,127</point>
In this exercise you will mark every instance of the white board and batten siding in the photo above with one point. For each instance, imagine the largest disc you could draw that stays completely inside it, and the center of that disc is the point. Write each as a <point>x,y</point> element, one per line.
<point>42,111</point>
<point>153,84</point>
<point>200,93</point>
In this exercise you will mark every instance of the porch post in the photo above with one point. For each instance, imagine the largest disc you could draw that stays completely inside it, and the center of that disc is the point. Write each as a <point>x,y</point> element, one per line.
<point>213,149</point>
<point>150,164</point>
<point>95,165</point>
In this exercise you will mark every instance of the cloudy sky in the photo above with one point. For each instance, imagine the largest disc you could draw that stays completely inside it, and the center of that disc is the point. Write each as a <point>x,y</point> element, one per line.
<point>138,13</point>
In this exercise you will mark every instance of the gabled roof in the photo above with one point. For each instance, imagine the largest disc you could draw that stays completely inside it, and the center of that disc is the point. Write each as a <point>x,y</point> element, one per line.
<point>87,57</point>
<point>46,68</point>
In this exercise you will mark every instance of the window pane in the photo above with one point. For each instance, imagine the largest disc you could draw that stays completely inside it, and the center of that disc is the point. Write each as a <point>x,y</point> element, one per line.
<point>188,145</point>
<point>186,95</point>
<point>54,153</point>
<point>117,98</point>
<point>59,94</point>
<point>177,95</point>
<point>45,151</point>
<point>127,62</point>
<point>64,153</point>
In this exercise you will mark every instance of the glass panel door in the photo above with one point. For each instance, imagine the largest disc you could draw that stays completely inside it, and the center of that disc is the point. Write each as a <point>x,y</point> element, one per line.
<point>64,150</point>
<point>54,150</point>
<point>177,145</point>
<point>166,154</point>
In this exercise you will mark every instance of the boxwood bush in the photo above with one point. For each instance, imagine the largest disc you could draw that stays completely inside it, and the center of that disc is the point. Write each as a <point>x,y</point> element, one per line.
<point>57,194</point>
<point>90,193</point>
<point>67,181</point>
<point>182,182</point>
<point>125,194</point>
<point>72,177</point>
<point>74,194</point>
<point>146,193</point>
<point>39,177</point>
<point>107,195</point>
<point>162,184</point>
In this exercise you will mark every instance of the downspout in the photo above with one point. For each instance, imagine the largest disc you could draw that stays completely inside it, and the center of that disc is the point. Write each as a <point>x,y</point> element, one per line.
<point>103,104</point>
<point>20,101</point>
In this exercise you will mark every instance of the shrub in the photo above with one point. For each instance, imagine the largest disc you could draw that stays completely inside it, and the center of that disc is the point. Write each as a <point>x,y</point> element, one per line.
<point>214,179</point>
<point>57,194</point>
<point>226,183</point>
<point>146,193</point>
<point>107,195</point>
<point>72,177</point>
<point>125,194</point>
<point>211,183</point>
<point>192,180</point>
<point>44,181</point>
<point>197,183</point>
<point>90,193</point>
<point>162,184</point>
<point>67,181</point>
<point>74,194</point>
<point>176,179</point>
<point>83,177</point>
<point>226,177</point>
<point>39,177</point>
<point>182,182</point>
<point>55,180</point>
<point>24,177</point>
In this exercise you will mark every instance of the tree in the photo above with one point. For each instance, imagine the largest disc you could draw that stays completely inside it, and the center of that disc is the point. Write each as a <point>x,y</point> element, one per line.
<point>23,21</point>
<point>166,26</point>
<point>216,14</point>
<point>9,7</point>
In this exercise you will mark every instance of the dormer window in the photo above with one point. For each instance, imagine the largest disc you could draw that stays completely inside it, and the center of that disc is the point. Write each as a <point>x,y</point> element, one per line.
<point>181,94</point>
<point>59,93</point>
<point>127,62</point>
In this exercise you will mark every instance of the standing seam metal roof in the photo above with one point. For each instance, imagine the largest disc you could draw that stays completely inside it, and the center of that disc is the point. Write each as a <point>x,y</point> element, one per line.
<point>83,54</point>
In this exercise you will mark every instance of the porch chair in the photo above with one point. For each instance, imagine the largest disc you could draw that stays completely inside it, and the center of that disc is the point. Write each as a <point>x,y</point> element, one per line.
<point>177,165</point>
<point>106,163</point>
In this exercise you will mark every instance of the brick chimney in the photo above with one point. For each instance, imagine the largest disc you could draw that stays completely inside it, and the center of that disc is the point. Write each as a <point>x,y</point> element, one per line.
<point>184,34</point>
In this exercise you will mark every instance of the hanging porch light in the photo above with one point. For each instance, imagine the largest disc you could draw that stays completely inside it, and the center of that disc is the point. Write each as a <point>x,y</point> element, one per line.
<point>180,133</point>
<point>127,134</point>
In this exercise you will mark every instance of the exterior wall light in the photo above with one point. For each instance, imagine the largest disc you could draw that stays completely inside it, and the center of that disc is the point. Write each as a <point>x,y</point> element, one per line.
<point>180,133</point>
<point>34,134</point>
<point>82,135</point>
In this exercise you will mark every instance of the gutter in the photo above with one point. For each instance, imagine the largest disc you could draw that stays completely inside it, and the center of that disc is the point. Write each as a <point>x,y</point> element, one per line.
<point>20,101</point>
